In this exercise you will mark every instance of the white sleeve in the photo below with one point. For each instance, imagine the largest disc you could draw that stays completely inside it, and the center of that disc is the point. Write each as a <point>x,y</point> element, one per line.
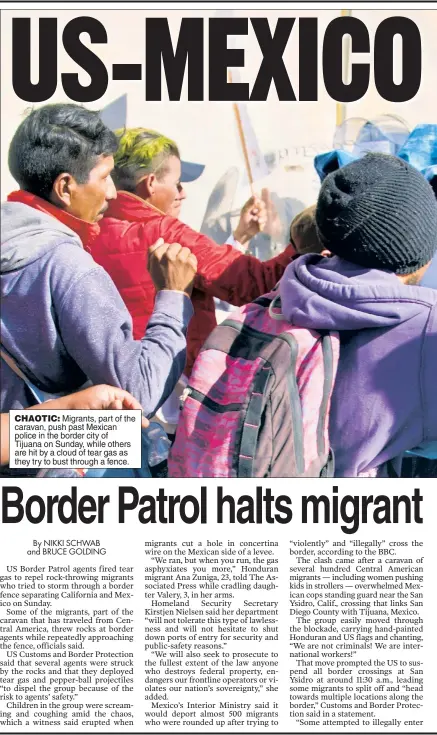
<point>235,244</point>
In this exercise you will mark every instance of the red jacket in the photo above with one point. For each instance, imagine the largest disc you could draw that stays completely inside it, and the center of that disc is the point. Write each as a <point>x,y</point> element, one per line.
<point>131,226</point>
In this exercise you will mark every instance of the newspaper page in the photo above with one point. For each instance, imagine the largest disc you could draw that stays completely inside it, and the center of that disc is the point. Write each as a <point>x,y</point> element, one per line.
<point>218,360</point>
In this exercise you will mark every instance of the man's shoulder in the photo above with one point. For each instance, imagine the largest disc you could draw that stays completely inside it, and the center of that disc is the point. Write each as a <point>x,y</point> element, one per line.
<point>67,253</point>
<point>122,235</point>
<point>65,266</point>
<point>30,237</point>
<point>70,268</point>
<point>127,230</point>
<point>19,218</point>
<point>127,208</point>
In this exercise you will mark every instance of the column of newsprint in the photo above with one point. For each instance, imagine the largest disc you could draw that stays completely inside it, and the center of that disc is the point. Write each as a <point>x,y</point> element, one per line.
<point>147,621</point>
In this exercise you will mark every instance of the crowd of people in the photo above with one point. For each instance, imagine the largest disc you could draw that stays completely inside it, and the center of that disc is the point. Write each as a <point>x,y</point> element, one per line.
<point>101,283</point>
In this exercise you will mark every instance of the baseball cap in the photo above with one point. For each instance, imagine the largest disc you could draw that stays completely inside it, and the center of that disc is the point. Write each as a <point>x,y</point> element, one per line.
<point>190,171</point>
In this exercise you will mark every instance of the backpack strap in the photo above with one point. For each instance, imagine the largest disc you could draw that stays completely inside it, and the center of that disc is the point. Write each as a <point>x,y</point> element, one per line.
<point>252,423</point>
<point>328,385</point>
<point>39,395</point>
<point>276,304</point>
<point>13,365</point>
<point>329,469</point>
<point>271,302</point>
<point>391,470</point>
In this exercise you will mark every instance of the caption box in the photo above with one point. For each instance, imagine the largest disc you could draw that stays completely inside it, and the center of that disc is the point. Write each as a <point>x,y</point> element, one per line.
<point>84,439</point>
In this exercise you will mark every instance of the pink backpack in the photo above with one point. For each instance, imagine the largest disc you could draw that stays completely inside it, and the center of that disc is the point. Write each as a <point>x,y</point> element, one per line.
<point>257,404</point>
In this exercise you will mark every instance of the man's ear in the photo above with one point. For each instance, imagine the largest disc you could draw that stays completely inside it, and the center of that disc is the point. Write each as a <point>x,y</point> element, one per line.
<point>326,253</point>
<point>146,187</point>
<point>63,190</point>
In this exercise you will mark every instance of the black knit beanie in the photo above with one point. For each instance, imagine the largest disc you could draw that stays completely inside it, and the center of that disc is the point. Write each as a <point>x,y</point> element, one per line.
<point>379,212</point>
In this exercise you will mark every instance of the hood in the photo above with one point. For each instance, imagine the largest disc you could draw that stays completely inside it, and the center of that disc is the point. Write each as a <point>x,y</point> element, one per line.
<point>27,234</point>
<point>331,293</point>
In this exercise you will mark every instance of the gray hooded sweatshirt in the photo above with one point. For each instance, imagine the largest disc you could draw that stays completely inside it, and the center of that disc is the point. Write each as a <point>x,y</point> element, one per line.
<point>63,320</point>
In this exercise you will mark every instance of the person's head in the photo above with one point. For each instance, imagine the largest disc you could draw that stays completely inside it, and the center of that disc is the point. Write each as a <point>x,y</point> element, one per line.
<point>149,165</point>
<point>63,153</point>
<point>303,232</point>
<point>379,212</point>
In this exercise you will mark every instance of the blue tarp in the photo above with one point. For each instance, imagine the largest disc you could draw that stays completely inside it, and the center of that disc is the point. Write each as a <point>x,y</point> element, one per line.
<point>419,149</point>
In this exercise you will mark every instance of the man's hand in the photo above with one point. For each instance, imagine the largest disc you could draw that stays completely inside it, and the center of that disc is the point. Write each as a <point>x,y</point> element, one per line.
<point>253,218</point>
<point>172,267</point>
<point>273,226</point>
<point>98,397</point>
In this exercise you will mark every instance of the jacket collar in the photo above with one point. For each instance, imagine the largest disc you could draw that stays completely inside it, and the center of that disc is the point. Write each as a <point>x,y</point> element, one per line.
<point>130,207</point>
<point>85,230</point>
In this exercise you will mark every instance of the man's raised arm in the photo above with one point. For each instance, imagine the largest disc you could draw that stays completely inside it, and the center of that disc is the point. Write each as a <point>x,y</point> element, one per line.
<point>222,270</point>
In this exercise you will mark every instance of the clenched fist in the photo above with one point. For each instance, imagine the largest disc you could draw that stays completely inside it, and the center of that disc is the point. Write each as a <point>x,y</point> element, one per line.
<point>172,267</point>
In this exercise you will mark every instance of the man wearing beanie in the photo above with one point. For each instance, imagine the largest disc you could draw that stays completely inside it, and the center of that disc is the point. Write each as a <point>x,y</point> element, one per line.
<point>378,217</point>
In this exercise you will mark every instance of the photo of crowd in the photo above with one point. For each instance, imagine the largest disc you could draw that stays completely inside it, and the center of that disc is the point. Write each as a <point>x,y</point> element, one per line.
<point>318,361</point>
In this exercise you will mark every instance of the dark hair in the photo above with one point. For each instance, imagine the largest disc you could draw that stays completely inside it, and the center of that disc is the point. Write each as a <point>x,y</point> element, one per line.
<point>57,138</point>
<point>303,232</point>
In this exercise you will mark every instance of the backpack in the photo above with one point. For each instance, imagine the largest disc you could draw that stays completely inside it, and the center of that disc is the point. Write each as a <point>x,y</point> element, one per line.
<point>257,403</point>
